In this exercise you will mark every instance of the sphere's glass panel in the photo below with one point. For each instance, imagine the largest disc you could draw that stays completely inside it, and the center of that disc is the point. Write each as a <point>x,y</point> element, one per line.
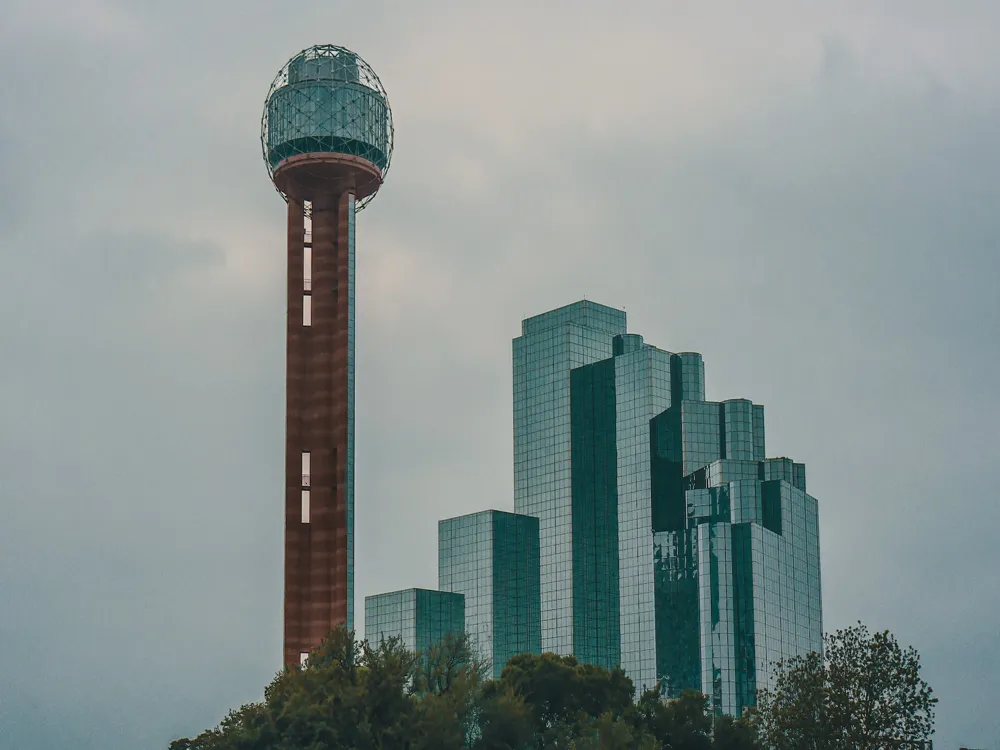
<point>327,115</point>
<point>342,67</point>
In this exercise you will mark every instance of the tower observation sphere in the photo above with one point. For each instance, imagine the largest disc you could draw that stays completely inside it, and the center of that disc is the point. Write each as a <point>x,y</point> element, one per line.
<point>326,137</point>
<point>327,117</point>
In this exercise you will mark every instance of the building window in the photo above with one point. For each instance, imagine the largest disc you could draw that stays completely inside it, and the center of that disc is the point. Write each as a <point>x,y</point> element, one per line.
<point>305,468</point>
<point>307,310</point>
<point>303,658</point>
<point>305,506</point>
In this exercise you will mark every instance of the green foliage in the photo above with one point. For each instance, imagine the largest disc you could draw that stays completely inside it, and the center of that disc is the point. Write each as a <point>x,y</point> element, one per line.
<point>607,733</point>
<point>561,693</point>
<point>866,693</point>
<point>504,720</point>
<point>447,663</point>
<point>681,724</point>
<point>448,681</point>
<point>735,734</point>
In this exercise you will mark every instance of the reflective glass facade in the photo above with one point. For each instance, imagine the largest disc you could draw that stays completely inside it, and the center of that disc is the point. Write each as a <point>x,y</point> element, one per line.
<point>611,405</point>
<point>738,587</point>
<point>328,100</point>
<point>549,347</point>
<point>673,523</point>
<point>642,390</point>
<point>594,474</point>
<point>492,559</point>
<point>420,617</point>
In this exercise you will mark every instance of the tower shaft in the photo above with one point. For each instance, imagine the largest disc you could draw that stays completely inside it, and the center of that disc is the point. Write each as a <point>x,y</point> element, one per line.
<point>319,428</point>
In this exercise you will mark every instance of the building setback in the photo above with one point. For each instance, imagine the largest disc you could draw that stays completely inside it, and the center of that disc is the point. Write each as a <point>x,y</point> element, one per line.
<point>420,618</point>
<point>737,578</point>
<point>669,545</point>
<point>492,559</point>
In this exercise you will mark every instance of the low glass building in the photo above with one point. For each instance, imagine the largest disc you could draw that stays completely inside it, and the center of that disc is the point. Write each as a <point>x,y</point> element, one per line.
<point>421,618</point>
<point>491,559</point>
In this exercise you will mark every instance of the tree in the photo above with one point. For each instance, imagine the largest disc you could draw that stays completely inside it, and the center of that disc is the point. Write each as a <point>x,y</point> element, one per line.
<point>734,734</point>
<point>442,665</point>
<point>608,733</point>
<point>389,712</point>
<point>563,696</point>
<point>448,682</point>
<point>865,693</point>
<point>679,724</point>
<point>363,697</point>
<point>349,696</point>
<point>504,720</point>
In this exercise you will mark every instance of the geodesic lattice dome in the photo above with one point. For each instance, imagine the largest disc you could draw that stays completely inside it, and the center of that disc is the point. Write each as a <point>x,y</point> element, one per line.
<point>327,99</point>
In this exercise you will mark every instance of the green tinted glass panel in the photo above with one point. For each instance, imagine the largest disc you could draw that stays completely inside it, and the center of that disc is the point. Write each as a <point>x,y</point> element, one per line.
<point>595,515</point>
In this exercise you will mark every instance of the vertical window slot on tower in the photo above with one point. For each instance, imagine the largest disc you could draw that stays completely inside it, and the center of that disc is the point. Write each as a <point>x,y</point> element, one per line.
<point>305,468</point>
<point>307,266</point>
<point>305,506</point>
<point>307,310</point>
<point>307,209</point>
<point>303,658</point>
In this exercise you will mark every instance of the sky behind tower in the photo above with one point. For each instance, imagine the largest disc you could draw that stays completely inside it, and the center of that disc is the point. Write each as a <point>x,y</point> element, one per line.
<point>806,195</point>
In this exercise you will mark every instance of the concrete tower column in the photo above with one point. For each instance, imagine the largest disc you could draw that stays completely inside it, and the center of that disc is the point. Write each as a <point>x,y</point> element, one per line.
<point>327,138</point>
<point>318,422</point>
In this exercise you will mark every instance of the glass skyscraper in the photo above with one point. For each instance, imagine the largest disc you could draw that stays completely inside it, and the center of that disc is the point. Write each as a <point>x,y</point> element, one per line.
<point>611,405</point>
<point>492,559</point>
<point>421,618</point>
<point>549,347</point>
<point>669,545</point>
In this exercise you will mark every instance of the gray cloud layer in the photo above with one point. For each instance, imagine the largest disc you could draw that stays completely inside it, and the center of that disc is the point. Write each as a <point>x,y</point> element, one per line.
<point>806,196</point>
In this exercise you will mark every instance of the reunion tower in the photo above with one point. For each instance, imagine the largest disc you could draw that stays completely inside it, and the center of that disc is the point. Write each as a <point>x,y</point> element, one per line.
<point>326,135</point>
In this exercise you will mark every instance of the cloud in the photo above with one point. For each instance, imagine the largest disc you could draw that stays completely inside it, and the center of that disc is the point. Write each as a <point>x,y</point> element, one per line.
<point>802,194</point>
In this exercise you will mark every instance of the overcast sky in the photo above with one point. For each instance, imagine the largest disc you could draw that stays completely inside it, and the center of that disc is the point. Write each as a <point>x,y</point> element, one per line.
<point>807,195</point>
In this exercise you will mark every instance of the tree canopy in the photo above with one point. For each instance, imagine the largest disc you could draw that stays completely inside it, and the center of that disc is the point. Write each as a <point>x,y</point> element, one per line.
<point>864,695</point>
